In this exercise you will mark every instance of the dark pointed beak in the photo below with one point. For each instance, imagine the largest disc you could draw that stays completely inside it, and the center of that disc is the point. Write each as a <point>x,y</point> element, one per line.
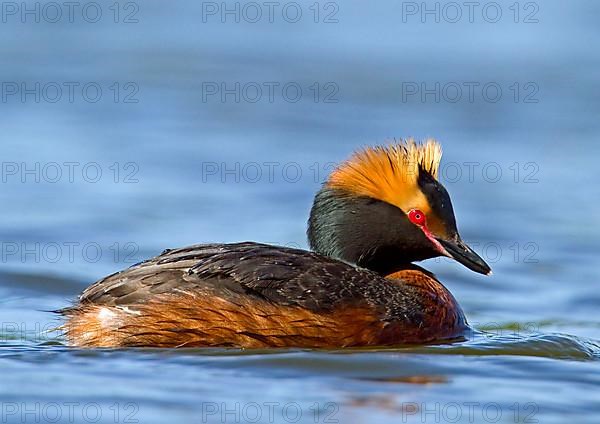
<point>459,251</point>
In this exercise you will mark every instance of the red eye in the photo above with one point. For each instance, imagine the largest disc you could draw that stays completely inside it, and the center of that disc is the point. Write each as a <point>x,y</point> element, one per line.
<point>416,217</point>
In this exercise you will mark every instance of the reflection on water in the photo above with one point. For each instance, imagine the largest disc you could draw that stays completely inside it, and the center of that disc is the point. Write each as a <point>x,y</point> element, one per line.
<point>162,160</point>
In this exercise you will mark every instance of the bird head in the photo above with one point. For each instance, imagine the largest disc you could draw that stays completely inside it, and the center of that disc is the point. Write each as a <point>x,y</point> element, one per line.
<point>384,208</point>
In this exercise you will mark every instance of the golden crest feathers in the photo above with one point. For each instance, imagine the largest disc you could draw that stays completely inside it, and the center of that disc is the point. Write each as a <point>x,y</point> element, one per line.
<point>389,173</point>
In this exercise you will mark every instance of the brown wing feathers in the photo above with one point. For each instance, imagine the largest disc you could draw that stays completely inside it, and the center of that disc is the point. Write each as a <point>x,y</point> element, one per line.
<point>249,295</point>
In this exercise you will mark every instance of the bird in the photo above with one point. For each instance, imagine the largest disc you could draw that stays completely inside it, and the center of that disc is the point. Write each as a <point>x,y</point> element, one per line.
<point>377,212</point>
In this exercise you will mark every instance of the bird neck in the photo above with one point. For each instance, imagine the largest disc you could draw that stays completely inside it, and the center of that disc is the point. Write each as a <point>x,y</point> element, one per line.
<point>364,231</point>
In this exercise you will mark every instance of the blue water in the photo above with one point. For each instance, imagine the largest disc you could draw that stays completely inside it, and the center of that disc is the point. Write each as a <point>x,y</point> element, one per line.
<point>165,155</point>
